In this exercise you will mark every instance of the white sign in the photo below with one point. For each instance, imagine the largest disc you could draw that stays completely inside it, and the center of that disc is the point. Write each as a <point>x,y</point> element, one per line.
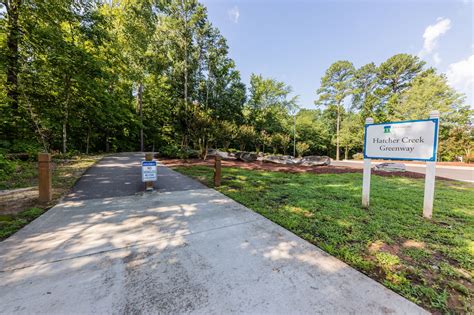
<point>404,140</point>
<point>149,171</point>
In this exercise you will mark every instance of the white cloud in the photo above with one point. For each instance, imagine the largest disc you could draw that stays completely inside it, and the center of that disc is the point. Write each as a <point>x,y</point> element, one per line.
<point>436,59</point>
<point>234,14</point>
<point>432,33</point>
<point>461,76</point>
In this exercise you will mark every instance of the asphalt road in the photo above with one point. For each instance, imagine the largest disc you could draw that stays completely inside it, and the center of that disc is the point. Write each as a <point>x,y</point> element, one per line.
<point>119,175</point>
<point>465,174</point>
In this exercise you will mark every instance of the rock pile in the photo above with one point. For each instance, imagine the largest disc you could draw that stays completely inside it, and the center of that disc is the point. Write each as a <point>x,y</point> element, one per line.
<point>312,160</point>
<point>390,167</point>
<point>315,160</point>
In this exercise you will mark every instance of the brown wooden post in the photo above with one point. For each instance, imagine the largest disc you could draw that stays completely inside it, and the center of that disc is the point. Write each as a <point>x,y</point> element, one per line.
<point>44,177</point>
<point>217,171</point>
<point>148,157</point>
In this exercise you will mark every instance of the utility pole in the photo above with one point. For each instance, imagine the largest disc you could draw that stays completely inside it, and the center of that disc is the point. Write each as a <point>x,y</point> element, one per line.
<point>294,135</point>
<point>140,108</point>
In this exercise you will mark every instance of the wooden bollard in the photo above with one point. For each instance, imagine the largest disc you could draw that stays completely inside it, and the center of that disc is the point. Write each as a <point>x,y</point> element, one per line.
<point>44,177</point>
<point>148,157</point>
<point>217,171</point>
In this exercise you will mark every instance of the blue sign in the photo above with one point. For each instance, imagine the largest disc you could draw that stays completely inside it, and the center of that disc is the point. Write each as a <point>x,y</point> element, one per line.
<point>149,171</point>
<point>415,140</point>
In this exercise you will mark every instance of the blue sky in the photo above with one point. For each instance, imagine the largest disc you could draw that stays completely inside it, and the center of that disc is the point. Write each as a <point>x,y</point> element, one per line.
<point>295,41</point>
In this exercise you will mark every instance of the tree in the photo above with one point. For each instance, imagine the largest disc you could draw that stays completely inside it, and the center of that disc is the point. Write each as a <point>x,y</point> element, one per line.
<point>201,127</point>
<point>336,86</point>
<point>269,104</point>
<point>395,76</point>
<point>458,142</point>
<point>13,9</point>
<point>313,129</point>
<point>265,139</point>
<point>228,132</point>
<point>301,148</point>
<point>352,133</point>
<point>428,92</point>
<point>280,140</point>
<point>247,136</point>
<point>364,97</point>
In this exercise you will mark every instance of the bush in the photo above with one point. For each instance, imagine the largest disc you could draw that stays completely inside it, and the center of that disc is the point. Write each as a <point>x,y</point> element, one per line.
<point>175,152</point>
<point>6,167</point>
<point>21,149</point>
<point>469,158</point>
<point>358,156</point>
<point>302,148</point>
<point>65,156</point>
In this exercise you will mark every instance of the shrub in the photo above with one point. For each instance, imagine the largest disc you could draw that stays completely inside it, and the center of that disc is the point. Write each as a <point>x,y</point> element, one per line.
<point>358,156</point>
<point>6,167</point>
<point>175,152</point>
<point>302,148</point>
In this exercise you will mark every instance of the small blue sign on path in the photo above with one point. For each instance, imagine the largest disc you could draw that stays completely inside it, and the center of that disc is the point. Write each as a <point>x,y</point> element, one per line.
<point>149,171</point>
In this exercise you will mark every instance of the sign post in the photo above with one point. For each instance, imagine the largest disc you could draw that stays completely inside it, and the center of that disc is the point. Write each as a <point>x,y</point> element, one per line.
<point>44,177</point>
<point>217,171</point>
<point>430,176</point>
<point>366,175</point>
<point>413,140</point>
<point>149,171</point>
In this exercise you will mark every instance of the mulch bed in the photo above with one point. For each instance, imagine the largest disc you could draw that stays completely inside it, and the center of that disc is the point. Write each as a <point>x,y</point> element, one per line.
<point>258,165</point>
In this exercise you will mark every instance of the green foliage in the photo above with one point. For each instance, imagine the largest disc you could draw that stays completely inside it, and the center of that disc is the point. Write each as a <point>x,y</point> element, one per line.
<point>9,224</point>
<point>17,174</point>
<point>336,86</point>
<point>400,88</point>
<point>91,76</point>
<point>94,76</point>
<point>280,141</point>
<point>386,261</point>
<point>301,148</point>
<point>6,167</point>
<point>247,136</point>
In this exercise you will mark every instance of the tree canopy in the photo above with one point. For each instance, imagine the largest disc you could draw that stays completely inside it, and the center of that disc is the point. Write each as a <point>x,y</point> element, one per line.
<point>126,75</point>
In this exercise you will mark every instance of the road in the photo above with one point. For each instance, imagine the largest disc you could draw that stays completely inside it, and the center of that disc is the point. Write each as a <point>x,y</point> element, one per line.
<point>460,173</point>
<point>110,248</point>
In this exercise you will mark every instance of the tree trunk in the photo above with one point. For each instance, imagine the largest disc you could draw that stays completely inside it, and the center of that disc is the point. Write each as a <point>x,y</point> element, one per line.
<point>88,139</point>
<point>338,124</point>
<point>67,91</point>
<point>64,136</point>
<point>346,153</point>
<point>140,110</point>
<point>186,123</point>
<point>107,145</point>
<point>13,38</point>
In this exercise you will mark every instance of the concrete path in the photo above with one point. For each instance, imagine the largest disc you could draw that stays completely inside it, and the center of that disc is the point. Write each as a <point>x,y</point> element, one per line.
<point>173,251</point>
<point>460,173</point>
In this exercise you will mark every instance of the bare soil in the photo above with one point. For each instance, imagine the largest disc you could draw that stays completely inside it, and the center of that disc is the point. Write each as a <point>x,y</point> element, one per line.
<point>258,165</point>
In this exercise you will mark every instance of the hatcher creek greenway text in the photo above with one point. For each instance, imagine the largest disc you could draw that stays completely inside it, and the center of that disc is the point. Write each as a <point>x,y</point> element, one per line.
<point>404,140</point>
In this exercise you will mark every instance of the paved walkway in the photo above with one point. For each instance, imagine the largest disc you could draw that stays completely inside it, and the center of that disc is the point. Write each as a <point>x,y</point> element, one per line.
<point>184,249</point>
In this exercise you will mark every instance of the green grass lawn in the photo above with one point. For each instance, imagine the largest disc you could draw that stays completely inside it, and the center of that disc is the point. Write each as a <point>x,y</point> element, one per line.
<point>65,175</point>
<point>429,262</point>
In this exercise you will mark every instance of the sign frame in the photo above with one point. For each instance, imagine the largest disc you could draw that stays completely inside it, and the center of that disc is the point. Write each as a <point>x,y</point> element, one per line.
<point>153,164</point>
<point>435,140</point>
<point>430,173</point>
